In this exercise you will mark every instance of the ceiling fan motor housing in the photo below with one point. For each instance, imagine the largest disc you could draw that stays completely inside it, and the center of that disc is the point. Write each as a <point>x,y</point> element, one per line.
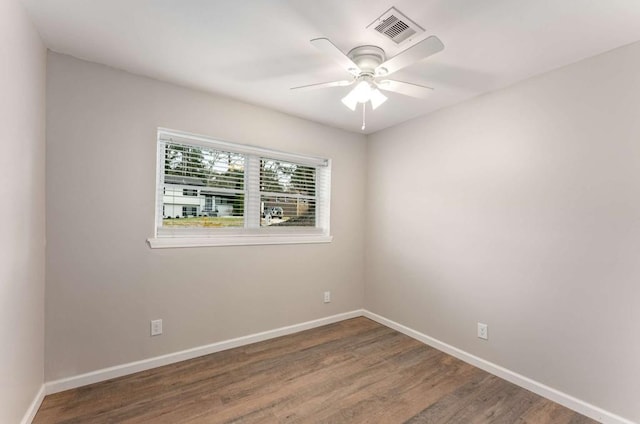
<point>368,58</point>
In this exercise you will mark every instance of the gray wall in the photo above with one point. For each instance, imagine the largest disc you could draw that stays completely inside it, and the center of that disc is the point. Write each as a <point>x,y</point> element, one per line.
<point>22,119</point>
<point>520,209</point>
<point>104,284</point>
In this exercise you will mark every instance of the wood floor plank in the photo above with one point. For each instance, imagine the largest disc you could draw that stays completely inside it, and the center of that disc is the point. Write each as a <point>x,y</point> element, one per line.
<point>354,371</point>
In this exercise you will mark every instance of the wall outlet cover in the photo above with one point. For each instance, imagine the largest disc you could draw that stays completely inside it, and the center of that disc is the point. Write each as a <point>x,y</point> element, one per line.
<point>156,327</point>
<point>483,331</point>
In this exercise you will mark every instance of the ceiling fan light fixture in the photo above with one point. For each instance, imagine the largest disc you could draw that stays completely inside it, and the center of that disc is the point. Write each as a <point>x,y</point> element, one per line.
<point>363,91</point>
<point>351,100</point>
<point>377,98</point>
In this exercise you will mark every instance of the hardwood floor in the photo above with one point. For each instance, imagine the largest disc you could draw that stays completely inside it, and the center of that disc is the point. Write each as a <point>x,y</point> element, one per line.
<point>354,371</point>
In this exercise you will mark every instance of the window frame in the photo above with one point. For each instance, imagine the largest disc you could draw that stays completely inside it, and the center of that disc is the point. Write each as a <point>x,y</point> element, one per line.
<point>249,234</point>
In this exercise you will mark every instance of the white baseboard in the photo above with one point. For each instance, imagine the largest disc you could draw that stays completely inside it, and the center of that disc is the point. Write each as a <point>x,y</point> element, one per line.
<point>158,361</point>
<point>557,396</point>
<point>33,408</point>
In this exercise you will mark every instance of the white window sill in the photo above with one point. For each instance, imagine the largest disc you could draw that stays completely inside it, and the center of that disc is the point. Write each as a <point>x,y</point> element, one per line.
<point>236,240</point>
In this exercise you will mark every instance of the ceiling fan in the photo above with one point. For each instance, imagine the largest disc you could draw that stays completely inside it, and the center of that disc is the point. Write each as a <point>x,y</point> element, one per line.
<point>369,69</point>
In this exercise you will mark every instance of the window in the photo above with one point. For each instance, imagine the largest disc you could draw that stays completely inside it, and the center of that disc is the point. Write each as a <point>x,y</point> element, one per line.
<point>211,193</point>
<point>189,211</point>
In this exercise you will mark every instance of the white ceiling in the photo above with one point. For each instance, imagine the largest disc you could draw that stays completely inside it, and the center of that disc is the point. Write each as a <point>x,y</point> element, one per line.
<point>255,50</point>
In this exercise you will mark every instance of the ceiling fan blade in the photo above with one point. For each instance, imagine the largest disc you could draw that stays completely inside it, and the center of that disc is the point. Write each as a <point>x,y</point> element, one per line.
<point>328,48</point>
<point>427,47</point>
<point>323,85</point>
<point>406,88</point>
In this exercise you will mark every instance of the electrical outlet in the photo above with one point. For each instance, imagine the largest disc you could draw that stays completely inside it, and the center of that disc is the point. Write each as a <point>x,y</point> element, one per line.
<point>327,297</point>
<point>483,331</point>
<point>156,327</point>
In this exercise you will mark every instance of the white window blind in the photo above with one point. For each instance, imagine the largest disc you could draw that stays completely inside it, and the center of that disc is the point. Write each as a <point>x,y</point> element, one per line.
<point>287,189</point>
<point>200,183</point>
<point>211,192</point>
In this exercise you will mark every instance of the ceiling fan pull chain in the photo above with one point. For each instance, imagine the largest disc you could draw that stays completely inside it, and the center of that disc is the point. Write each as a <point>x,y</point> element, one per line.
<point>364,108</point>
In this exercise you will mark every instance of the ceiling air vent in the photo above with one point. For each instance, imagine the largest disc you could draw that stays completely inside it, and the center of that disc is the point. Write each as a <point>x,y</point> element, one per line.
<point>395,26</point>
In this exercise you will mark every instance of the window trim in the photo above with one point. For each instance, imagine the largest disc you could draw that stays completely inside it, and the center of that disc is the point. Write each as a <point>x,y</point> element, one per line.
<point>237,240</point>
<point>179,238</point>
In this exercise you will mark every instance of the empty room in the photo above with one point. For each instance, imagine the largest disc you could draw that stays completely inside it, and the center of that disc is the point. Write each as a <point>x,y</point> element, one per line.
<point>296,211</point>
